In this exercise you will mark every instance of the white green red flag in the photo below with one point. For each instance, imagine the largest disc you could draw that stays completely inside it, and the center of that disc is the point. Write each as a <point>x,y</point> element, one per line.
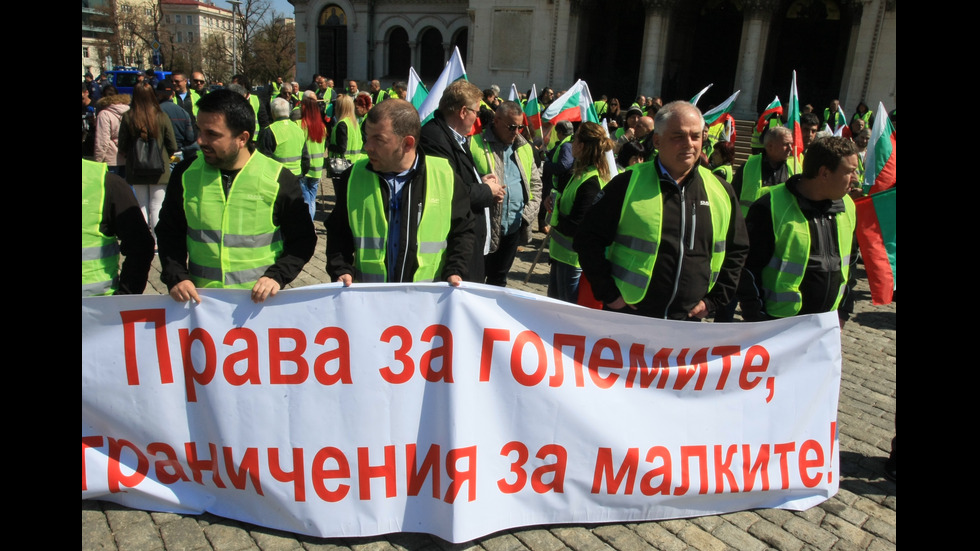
<point>416,90</point>
<point>879,161</point>
<point>694,100</point>
<point>532,112</point>
<point>841,121</point>
<point>574,105</point>
<point>453,71</point>
<point>715,115</point>
<point>876,222</point>
<point>793,123</point>
<point>774,107</point>
<point>514,94</point>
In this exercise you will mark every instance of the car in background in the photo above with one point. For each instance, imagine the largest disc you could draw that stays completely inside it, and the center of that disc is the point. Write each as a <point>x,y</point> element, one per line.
<point>123,78</point>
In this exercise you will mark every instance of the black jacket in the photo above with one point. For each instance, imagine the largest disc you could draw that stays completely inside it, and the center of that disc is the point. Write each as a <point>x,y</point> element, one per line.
<point>823,275</point>
<point>682,270</point>
<point>438,140</point>
<point>340,237</point>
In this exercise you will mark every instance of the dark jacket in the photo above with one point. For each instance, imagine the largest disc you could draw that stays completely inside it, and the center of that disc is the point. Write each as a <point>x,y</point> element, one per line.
<point>438,140</point>
<point>822,277</point>
<point>682,270</point>
<point>340,237</point>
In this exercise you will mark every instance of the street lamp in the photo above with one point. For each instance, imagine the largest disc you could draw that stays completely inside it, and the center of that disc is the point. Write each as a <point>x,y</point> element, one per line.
<point>234,35</point>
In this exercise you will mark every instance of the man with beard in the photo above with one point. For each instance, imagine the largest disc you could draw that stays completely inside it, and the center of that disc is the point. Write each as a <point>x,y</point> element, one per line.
<point>232,217</point>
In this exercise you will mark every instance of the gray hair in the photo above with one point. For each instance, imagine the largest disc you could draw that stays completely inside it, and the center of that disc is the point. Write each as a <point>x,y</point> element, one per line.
<point>779,132</point>
<point>671,110</point>
<point>509,109</point>
<point>279,108</point>
<point>565,127</point>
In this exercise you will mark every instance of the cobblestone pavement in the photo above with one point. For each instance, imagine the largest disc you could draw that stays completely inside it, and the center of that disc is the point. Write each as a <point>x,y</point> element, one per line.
<point>861,516</point>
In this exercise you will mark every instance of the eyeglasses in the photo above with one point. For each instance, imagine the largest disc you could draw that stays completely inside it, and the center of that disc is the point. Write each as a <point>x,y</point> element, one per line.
<point>197,81</point>
<point>513,127</point>
<point>477,111</point>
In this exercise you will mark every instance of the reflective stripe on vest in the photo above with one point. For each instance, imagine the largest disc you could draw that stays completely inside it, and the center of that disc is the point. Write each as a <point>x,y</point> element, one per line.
<point>289,141</point>
<point>752,188</point>
<point>633,252</point>
<point>354,142</point>
<point>726,172</point>
<point>369,222</point>
<point>317,150</point>
<point>560,247</point>
<point>782,277</point>
<point>100,252</point>
<point>231,241</point>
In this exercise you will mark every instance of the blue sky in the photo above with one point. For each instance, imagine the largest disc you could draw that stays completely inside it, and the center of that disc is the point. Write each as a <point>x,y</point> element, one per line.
<point>281,6</point>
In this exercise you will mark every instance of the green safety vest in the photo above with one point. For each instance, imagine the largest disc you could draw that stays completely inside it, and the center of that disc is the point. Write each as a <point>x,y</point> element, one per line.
<point>725,172</point>
<point>781,278</point>
<point>316,151</point>
<point>231,241</point>
<point>560,247</point>
<point>254,100</point>
<point>354,142</point>
<point>633,252</point>
<point>289,139</point>
<point>557,155</point>
<point>756,142</point>
<point>369,222</point>
<point>194,98</point>
<point>752,188</point>
<point>100,252</point>
<point>276,88</point>
<point>600,107</point>
<point>484,160</point>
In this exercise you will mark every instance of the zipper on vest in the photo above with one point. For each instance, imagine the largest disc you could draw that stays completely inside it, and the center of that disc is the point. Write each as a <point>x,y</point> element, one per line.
<point>680,258</point>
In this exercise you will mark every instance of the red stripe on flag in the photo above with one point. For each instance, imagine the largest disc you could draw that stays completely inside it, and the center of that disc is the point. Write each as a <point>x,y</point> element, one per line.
<point>872,244</point>
<point>572,114</point>
<point>886,178</point>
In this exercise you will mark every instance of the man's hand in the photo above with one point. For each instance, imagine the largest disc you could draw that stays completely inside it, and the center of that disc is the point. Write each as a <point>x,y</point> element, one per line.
<point>619,304</point>
<point>700,311</point>
<point>495,188</point>
<point>184,291</point>
<point>346,279</point>
<point>264,288</point>
<point>454,280</point>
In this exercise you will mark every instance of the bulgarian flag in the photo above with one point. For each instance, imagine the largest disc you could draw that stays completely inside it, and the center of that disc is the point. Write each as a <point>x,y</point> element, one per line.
<point>717,114</point>
<point>876,237</point>
<point>793,123</point>
<point>573,105</point>
<point>694,100</point>
<point>416,90</point>
<point>453,71</point>
<point>843,121</point>
<point>773,107</point>
<point>879,161</point>
<point>532,112</point>
<point>514,94</point>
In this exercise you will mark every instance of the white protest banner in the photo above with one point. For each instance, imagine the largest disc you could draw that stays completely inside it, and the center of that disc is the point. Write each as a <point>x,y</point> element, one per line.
<point>460,412</point>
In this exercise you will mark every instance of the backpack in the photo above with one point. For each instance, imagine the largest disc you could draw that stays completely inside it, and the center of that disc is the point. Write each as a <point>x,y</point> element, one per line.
<point>144,158</point>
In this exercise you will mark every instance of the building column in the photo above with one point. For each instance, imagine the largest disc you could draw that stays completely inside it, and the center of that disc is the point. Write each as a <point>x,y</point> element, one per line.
<point>756,20</point>
<point>654,45</point>
<point>413,46</point>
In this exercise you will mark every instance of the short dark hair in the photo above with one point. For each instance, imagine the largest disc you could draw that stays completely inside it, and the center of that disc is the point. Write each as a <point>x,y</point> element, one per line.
<point>826,152</point>
<point>237,110</point>
<point>809,119</point>
<point>403,116</point>
<point>243,80</point>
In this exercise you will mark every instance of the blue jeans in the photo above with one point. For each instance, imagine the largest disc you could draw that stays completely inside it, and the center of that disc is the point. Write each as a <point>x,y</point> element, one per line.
<point>563,284</point>
<point>309,187</point>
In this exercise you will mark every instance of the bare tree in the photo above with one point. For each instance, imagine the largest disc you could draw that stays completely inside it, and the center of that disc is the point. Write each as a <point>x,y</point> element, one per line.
<point>137,23</point>
<point>252,15</point>
<point>275,49</point>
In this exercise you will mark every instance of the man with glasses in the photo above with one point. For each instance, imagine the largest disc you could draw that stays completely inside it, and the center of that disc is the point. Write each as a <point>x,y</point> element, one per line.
<point>501,150</point>
<point>199,86</point>
<point>446,136</point>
